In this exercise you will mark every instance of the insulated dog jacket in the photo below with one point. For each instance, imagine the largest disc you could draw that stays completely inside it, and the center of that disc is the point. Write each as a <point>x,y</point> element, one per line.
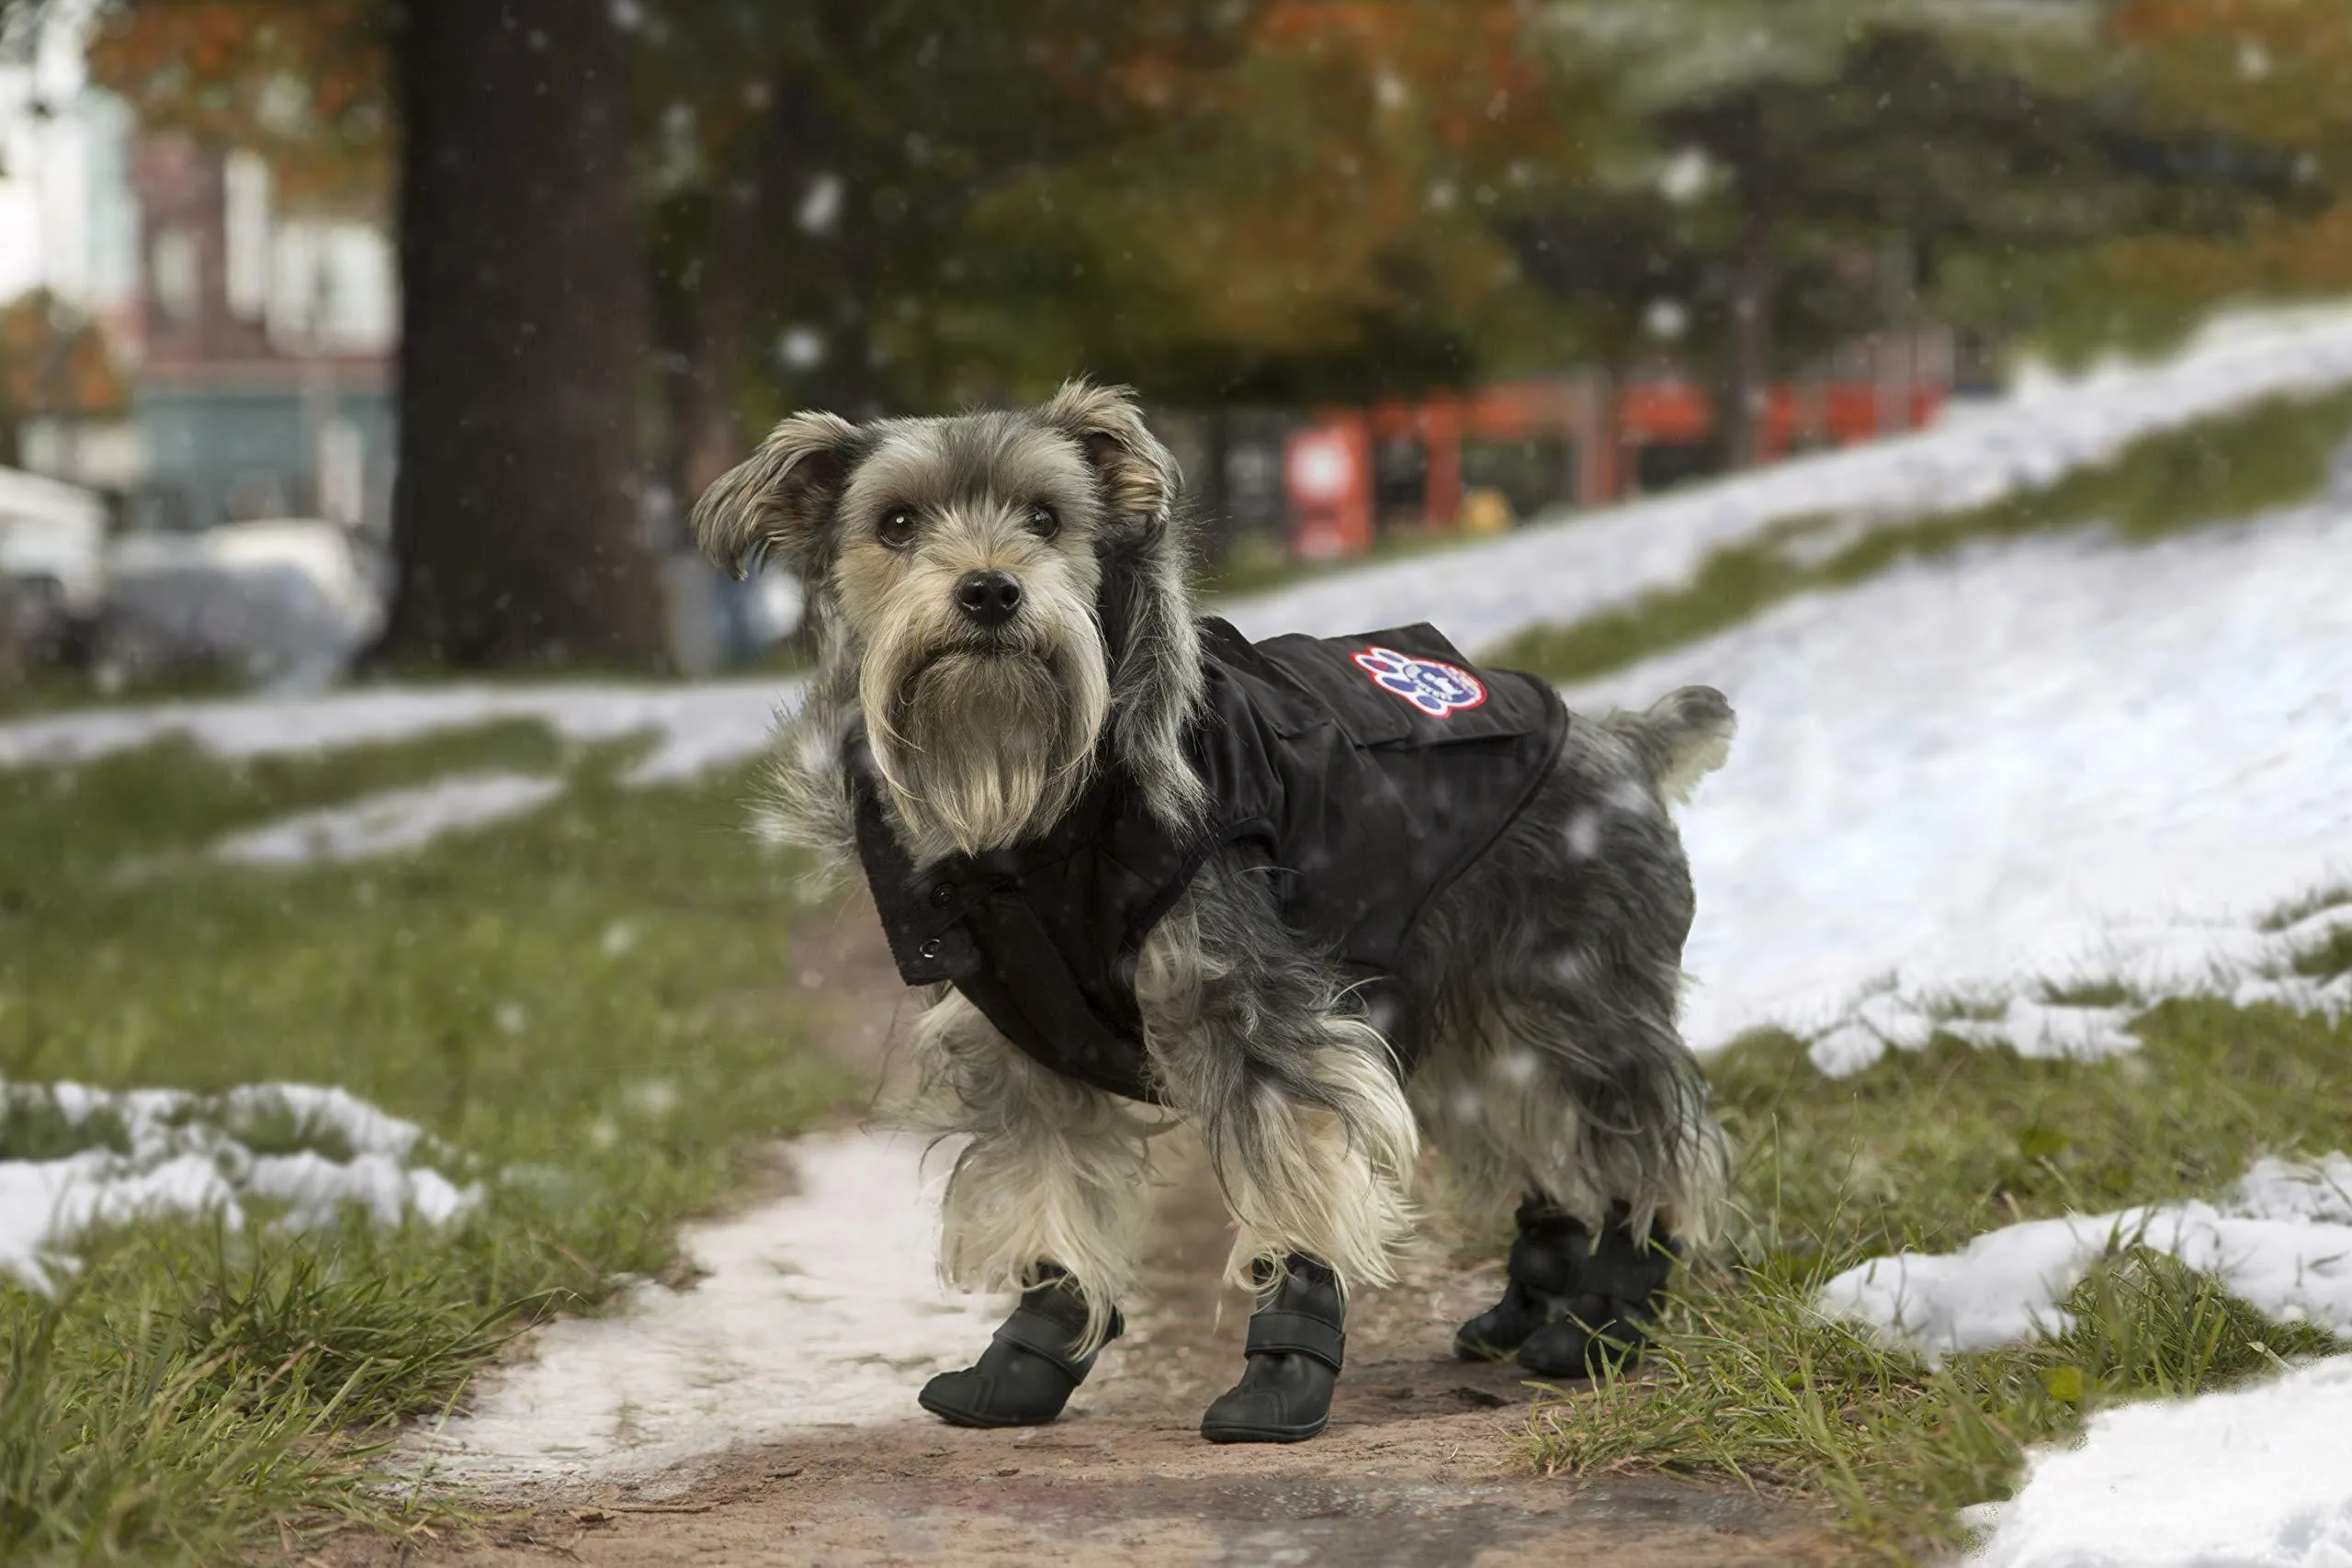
<point>1368,773</point>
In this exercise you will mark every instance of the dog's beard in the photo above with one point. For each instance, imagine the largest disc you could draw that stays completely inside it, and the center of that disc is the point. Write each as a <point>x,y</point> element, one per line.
<point>983,748</point>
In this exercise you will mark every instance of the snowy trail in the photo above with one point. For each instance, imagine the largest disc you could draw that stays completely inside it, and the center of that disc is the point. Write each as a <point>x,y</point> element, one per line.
<point>821,1308</point>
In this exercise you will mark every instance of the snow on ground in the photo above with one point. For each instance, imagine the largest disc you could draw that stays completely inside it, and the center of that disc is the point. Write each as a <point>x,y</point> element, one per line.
<point>698,726</point>
<point>2045,427</point>
<point>2061,760</point>
<point>387,823</point>
<point>2281,1240</point>
<point>2244,963</point>
<point>819,1309</point>
<point>152,1152</point>
<point>2257,1478</point>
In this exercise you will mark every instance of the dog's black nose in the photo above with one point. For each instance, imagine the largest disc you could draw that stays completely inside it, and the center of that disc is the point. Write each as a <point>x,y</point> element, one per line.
<point>988,597</point>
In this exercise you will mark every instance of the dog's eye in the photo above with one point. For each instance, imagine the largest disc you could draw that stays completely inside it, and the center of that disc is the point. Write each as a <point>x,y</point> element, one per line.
<point>897,528</point>
<point>1044,520</point>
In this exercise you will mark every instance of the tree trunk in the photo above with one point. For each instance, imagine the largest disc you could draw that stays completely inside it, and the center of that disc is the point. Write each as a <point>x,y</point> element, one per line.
<point>518,531</point>
<point>706,329</point>
<point>1751,351</point>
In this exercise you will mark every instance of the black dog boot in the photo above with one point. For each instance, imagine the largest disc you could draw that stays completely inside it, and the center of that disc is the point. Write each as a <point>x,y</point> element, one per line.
<point>1029,1369</point>
<point>1571,1309</point>
<point>1294,1348</point>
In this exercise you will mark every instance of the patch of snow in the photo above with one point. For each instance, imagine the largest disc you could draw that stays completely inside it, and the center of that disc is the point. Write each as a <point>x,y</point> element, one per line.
<point>2062,759</point>
<point>2260,1477</point>
<point>2056,1030</point>
<point>2045,427</point>
<point>390,822</point>
<point>2069,1033</point>
<point>697,726</point>
<point>2281,1241</point>
<point>187,1154</point>
<point>819,1309</point>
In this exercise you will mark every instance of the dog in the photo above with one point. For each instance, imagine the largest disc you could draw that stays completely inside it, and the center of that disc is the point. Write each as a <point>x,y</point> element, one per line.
<point>1322,899</point>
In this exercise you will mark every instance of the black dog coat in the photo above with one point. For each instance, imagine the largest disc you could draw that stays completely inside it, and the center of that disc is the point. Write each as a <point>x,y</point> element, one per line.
<point>1369,771</point>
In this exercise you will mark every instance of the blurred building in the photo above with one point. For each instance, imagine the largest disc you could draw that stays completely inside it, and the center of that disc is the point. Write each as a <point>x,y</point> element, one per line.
<point>258,344</point>
<point>263,385</point>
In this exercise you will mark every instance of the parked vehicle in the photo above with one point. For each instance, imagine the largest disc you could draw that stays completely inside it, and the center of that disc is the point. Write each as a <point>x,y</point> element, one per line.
<point>52,566</point>
<point>284,599</point>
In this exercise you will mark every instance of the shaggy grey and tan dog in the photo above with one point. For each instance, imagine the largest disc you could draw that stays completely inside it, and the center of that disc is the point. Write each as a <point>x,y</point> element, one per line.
<point>1319,899</point>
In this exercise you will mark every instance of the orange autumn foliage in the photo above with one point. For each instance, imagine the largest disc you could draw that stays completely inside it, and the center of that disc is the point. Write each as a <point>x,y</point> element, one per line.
<point>53,362</point>
<point>306,83</point>
<point>1332,178</point>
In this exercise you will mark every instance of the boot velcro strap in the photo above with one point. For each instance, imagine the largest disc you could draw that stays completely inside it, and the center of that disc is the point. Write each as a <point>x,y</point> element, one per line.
<point>1277,1332</point>
<point>1041,1335</point>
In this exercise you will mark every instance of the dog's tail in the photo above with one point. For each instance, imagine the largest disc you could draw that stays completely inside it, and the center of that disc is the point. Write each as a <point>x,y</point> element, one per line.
<point>1681,738</point>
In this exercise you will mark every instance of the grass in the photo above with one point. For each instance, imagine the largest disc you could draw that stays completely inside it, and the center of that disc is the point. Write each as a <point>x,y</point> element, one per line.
<point>47,689</point>
<point>590,1006</point>
<point>1752,1383</point>
<point>2271,455</point>
<point>2303,908</point>
<point>1925,1151</point>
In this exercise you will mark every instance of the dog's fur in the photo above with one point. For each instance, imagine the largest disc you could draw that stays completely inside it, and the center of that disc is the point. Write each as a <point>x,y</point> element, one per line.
<point>1543,984</point>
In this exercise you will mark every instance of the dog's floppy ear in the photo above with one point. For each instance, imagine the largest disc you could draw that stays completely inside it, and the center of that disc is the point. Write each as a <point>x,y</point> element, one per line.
<point>1145,602</point>
<point>779,501</point>
<point>1139,478</point>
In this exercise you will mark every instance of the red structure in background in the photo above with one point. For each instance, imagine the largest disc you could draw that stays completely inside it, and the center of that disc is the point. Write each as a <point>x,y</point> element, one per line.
<point>1355,472</point>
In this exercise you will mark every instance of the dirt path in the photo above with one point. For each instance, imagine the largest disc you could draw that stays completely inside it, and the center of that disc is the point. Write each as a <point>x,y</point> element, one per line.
<point>1418,1469</point>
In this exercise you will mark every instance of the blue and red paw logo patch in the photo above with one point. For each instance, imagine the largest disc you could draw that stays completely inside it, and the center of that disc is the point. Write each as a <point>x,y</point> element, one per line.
<point>1436,689</point>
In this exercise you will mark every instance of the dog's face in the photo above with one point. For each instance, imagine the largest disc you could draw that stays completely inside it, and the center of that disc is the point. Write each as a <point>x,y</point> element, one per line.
<point>966,572</point>
<point>978,582</point>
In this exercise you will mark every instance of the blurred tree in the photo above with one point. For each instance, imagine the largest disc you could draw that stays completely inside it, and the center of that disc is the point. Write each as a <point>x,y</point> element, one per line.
<point>858,140</point>
<point>306,83</point>
<point>2276,70</point>
<point>1813,187</point>
<point>1310,221</point>
<point>53,364</point>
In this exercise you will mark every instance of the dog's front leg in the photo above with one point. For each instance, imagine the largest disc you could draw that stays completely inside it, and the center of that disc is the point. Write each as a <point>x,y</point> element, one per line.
<point>1296,1098</point>
<point>1047,1199</point>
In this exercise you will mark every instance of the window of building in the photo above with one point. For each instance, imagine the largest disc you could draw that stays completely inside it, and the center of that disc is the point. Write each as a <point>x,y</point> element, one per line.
<point>245,199</point>
<point>174,274</point>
